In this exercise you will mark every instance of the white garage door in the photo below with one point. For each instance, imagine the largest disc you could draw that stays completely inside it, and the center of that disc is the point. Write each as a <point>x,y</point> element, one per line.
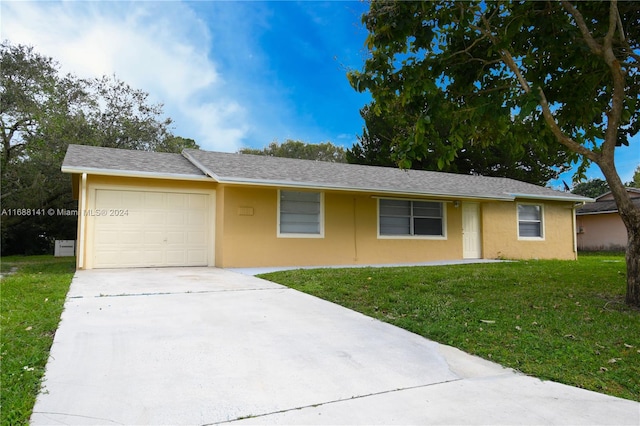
<point>146,228</point>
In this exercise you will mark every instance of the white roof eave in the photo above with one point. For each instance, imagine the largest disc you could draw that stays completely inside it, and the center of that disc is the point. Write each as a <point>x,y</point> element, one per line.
<point>576,199</point>
<point>132,173</point>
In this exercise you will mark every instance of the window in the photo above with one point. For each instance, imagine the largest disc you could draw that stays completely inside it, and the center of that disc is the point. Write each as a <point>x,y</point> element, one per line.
<point>530,223</point>
<point>411,218</point>
<point>300,214</point>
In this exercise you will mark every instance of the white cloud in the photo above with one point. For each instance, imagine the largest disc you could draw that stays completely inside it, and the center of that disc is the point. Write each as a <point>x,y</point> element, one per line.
<point>159,47</point>
<point>221,124</point>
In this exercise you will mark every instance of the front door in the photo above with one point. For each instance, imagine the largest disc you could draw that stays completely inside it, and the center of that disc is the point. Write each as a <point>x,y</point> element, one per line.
<point>471,233</point>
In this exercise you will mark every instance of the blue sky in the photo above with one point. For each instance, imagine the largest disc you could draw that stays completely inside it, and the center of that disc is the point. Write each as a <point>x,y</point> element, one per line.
<point>230,74</point>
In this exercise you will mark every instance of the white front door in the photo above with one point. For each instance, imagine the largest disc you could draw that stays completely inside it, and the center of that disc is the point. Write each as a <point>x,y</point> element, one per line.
<point>471,233</point>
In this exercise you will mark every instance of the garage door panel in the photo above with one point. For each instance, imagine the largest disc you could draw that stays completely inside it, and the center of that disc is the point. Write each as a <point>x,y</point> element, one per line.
<point>154,218</point>
<point>178,201</point>
<point>176,218</point>
<point>176,257</point>
<point>159,229</point>
<point>176,237</point>
<point>107,220</point>
<point>153,257</point>
<point>152,238</point>
<point>120,217</point>
<point>106,237</point>
<point>131,200</point>
<point>131,237</point>
<point>196,256</point>
<point>108,200</point>
<point>196,219</point>
<point>196,238</point>
<point>108,258</point>
<point>155,200</point>
<point>197,203</point>
<point>134,218</point>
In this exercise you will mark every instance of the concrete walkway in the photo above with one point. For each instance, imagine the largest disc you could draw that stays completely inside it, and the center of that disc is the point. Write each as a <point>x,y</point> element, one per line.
<point>205,346</point>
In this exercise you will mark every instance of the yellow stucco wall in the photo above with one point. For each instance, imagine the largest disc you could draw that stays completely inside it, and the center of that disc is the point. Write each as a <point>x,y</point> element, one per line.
<point>500,232</point>
<point>244,228</point>
<point>250,236</point>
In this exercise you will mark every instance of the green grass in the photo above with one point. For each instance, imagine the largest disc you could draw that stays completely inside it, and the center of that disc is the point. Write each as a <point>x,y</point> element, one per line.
<point>31,301</point>
<point>557,320</point>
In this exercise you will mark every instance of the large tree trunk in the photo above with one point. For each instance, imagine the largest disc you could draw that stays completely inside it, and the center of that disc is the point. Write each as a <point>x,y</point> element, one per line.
<point>633,268</point>
<point>630,215</point>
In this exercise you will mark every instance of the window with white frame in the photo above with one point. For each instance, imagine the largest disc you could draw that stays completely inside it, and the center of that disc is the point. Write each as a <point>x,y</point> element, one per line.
<point>530,221</point>
<point>300,214</point>
<point>411,218</point>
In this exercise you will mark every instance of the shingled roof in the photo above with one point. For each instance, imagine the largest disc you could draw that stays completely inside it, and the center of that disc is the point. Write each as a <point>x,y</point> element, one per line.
<point>604,204</point>
<point>112,161</point>
<point>287,172</point>
<point>257,169</point>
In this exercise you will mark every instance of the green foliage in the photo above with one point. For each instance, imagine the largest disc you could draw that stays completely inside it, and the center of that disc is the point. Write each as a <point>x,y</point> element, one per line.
<point>301,150</point>
<point>175,144</point>
<point>592,188</point>
<point>460,75</point>
<point>41,113</point>
<point>33,294</point>
<point>517,158</point>
<point>558,320</point>
<point>635,182</point>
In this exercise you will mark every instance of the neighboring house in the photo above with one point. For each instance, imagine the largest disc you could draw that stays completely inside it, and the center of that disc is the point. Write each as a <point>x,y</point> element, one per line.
<point>139,208</point>
<point>599,224</point>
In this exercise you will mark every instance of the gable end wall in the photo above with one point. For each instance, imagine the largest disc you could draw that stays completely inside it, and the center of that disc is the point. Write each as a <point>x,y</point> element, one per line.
<point>500,232</point>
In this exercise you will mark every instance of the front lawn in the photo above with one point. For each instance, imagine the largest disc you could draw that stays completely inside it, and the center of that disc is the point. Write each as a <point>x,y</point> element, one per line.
<point>558,320</point>
<point>33,290</point>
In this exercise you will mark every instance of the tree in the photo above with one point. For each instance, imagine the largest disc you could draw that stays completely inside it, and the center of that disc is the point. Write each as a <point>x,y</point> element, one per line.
<point>566,73</point>
<point>593,188</point>
<point>175,144</point>
<point>374,145</point>
<point>41,113</point>
<point>518,158</point>
<point>635,182</point>
<point>302,150</point>
<point>121,117</point>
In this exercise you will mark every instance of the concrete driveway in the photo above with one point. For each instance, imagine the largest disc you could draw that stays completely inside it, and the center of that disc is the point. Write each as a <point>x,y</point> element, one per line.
<point>205,346</point>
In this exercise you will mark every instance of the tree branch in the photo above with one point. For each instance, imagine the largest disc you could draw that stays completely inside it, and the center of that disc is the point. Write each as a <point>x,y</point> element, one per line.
<point>505,55</point>
<point>559,134</point>
<point>582,26</point>
<point>466,50</point>
<point>613,24</point>
<point>508,59</point>
<point>617,74</point>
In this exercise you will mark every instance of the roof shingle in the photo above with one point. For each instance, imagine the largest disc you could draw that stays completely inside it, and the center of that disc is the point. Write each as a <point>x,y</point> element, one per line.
<point>256,169</point>
<point>606,206</point>
<point>227,167</point>
<point>93,158</point>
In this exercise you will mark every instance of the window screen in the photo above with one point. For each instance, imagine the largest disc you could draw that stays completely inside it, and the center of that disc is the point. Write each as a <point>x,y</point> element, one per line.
<point>529,220</point>
<point>406,217</point>
<point>299,212</point>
